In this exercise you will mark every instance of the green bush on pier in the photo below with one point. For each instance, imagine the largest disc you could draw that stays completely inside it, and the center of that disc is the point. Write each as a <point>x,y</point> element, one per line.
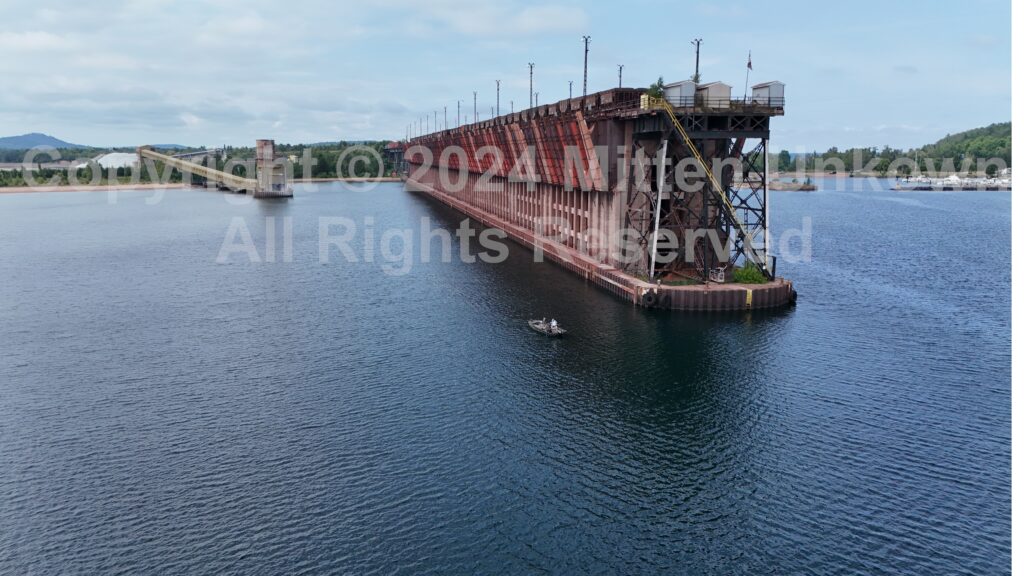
<point>748,274</point>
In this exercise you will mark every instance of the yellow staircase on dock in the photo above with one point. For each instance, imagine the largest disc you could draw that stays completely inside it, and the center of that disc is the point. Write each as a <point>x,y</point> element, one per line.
<point>650,102</point>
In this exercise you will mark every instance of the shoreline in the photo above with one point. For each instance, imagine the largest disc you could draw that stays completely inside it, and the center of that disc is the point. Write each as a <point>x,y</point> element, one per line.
<point>821,174</point>
<point>87,188</point>
<point>154,186</point>
<point>348,179</point>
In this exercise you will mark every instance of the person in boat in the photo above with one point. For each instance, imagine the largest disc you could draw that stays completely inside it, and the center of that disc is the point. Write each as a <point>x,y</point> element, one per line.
<point>554,324</point>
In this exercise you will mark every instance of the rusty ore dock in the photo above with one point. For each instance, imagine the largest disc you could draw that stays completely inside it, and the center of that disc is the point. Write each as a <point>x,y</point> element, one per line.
<point>616,181</point>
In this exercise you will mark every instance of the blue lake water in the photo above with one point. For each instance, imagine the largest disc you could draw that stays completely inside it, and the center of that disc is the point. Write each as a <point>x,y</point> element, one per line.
<point>163,412</point>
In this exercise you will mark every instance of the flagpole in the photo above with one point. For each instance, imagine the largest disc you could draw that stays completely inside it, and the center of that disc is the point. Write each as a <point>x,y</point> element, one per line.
<point>747,81</point>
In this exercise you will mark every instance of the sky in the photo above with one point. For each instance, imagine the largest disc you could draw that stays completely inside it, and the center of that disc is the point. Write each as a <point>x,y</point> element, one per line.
<point>104,73</point>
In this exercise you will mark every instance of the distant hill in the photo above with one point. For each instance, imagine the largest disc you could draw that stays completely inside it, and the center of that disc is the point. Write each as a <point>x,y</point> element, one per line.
<point>992,141</point>
<point>32,140</point>
<point>987,143</point>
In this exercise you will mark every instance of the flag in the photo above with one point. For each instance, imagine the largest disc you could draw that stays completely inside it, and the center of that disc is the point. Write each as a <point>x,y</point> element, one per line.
<point>749,65</point>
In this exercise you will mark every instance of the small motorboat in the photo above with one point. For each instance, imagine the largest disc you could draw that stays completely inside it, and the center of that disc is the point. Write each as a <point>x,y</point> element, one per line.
<point>545,327</point>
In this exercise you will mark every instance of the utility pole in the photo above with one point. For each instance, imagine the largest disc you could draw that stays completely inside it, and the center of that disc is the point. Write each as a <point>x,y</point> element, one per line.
<point>570,89</point>
<point>445,117</point>
<point>458,112</point>
<point>620,75</point>
<point>435,120</point>
<point>536,98</point>
<point>586,52</point>
<point>531,85</point>
<point>498,100</point>
<point>696,73</point>
<point>475,117</point>
<point>512,103</point>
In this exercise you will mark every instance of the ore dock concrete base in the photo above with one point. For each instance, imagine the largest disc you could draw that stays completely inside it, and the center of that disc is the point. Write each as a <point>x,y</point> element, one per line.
<point>708,297</point>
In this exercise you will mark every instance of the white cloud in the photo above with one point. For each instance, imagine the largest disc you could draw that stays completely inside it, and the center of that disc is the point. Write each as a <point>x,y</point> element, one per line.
<point>124,72</point>
<point>190,120</point>
<point>234,28</point>
<point>478,19</point>
<point>33,40</point>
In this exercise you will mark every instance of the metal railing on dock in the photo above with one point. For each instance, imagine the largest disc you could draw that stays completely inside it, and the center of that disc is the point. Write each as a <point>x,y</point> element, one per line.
<point>726,103</point>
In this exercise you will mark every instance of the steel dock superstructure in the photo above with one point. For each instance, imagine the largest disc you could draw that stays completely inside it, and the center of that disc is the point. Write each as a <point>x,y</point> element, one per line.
<point>595,182</point>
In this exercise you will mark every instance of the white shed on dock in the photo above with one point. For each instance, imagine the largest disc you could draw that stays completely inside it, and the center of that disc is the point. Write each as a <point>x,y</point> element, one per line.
<point>681,93</point>
<point>714,94</point>
<point>769,93</point>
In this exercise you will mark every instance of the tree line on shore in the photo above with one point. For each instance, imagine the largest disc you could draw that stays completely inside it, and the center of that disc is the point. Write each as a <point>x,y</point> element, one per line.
<point>359,160</point>
<point>959,152</point>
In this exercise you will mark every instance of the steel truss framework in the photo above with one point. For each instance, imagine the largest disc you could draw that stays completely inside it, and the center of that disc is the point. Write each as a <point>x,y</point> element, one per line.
<point>681,211</point>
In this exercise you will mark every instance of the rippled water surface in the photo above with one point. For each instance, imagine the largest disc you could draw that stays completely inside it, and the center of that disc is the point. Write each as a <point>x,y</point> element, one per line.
<point>163,412</point>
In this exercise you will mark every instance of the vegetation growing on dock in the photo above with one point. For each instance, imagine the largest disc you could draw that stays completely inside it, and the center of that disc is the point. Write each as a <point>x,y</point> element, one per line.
<point>748,274</point>
<point>657,90</point>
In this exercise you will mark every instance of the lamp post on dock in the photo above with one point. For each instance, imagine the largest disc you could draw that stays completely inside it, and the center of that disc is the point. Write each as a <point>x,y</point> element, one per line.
<point>531,85</point>
<point>475,117</point>
<point>696,73</point>
<point>498,98</point>
<point>435,120</point>
<point>586,52</point>
<point>458,112</point>
<point>445,117</point>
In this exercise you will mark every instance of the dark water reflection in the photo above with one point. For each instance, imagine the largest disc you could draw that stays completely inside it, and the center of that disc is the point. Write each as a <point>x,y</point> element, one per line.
<point>161,411</point>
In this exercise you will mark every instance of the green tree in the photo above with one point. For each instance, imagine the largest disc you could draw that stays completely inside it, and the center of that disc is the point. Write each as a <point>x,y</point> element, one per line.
<point>657,90</point>
<point>785,161</point>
